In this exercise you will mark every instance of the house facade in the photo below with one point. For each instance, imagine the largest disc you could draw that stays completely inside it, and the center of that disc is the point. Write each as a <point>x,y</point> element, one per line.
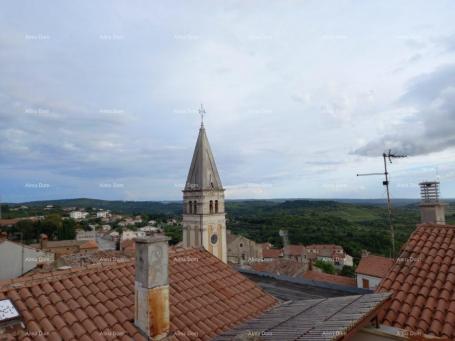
<point>242,250</point>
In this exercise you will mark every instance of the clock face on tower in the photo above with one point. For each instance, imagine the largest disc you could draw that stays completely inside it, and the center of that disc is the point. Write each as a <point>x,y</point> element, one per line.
<point>214,238</point>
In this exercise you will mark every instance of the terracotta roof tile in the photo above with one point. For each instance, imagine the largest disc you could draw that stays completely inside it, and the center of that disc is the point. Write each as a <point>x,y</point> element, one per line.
<point>422,283</point>
<point>83,303</point>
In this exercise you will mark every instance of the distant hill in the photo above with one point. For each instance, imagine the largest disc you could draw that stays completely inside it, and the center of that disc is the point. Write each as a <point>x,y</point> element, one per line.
<point>119,206</point>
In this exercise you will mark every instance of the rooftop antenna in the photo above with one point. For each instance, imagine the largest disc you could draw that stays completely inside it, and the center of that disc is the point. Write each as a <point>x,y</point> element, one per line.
<point>202,113</point>
<point>388,156</point>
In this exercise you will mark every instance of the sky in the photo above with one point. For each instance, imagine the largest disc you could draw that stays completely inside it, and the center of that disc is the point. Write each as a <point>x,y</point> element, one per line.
<point>100,99</point>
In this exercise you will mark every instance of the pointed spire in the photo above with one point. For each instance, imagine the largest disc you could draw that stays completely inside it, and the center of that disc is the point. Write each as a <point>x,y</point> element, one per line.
<point>203,174</point>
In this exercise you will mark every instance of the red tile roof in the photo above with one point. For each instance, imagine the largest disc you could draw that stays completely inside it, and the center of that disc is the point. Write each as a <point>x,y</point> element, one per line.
<point>422,281</point>
<point>207,297</point>
<point>376,266</point>
<point>90,244</point>
<point>271,253</point>
<point>294,250</point>
<point>336,279</point>
<point>286,267</point>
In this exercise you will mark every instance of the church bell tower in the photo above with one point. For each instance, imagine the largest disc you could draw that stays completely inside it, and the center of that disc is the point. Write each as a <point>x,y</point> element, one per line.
<point>204,221</point>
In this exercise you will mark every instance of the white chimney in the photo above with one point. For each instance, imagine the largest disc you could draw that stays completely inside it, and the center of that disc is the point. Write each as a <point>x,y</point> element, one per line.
<point>432,211</point>
<point>151,289</point>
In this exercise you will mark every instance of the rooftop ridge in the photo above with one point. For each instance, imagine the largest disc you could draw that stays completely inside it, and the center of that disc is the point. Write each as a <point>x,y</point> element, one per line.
<point>56,275</point>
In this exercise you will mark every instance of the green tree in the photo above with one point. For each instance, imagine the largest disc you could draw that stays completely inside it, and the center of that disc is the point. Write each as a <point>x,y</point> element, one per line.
<point>174,232</point>
<point>50,225</point>
<point>67,231</point>
<point>326,267</point>
<point>348,271</point>
<point>27,228</point>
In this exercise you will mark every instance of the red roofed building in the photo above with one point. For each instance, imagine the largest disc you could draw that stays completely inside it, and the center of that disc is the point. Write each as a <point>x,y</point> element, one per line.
<point>422,283</point>
<point>295,252</point>
<point>329,278</point>
<point>332,253</point>
<point>205,297</point>
<point>270,254</point>
<point>371,270</point>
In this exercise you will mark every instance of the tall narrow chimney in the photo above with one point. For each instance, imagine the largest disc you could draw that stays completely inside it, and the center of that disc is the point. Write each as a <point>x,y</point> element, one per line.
<point>432,211</point>
<point>151,289</point>
<point>284,235</point>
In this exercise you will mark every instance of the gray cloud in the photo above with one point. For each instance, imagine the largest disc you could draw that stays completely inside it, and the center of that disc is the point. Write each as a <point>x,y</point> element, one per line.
<point>432,126</point>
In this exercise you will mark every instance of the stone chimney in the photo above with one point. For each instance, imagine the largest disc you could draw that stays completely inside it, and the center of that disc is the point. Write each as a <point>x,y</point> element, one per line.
<point>151,289</point>
<point>284,235</point>
<point>432,211</point>
<point>43,241</point>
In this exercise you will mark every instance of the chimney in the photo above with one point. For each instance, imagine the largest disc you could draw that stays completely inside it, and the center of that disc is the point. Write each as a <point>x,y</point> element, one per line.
<point>43,241</point>
<point>432,211</point>
<point>284,235</point>
<point>151,289</point>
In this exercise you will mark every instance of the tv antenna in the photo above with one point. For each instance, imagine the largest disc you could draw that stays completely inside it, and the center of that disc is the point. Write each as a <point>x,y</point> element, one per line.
<point>388,157</point>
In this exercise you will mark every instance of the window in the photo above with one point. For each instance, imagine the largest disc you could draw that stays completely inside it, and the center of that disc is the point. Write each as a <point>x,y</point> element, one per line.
<point>211,206</point>
<point>241,244</point>
<point>365,283</point>
<point>190,207</point>
<point>195,207</point>
<point>216,206</point>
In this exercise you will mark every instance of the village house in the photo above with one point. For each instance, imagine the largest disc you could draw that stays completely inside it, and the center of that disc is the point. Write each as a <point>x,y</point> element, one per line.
<point>329,253</point>
<point>64,247</point>
<point>241,249</point>
<point>78,215</point>
<point>102,214</point>
<point>85,235</point>
<point>371,270</point>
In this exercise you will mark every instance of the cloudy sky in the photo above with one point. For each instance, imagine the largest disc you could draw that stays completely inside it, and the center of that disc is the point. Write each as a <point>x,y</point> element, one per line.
<point>99,98</point>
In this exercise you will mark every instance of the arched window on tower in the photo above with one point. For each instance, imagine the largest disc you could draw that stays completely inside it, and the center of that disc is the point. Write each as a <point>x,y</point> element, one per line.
<point>211,206</point>
<point>195,207</point>
<point>216,206</point>
<point>190,207</point>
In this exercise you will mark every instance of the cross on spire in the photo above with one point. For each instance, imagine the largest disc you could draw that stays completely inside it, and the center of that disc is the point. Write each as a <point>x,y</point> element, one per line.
<point>202,113</point>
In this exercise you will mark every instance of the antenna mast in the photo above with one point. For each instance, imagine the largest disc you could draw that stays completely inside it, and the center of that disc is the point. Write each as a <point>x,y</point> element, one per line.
<point>388,156</point>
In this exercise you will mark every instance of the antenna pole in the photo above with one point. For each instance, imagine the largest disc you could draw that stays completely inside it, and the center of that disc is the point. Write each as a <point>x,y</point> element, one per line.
<point>388,156</point>
<point>389,202</point>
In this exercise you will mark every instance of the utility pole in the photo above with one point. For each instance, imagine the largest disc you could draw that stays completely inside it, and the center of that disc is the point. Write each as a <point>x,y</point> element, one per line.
<point>388,156</point>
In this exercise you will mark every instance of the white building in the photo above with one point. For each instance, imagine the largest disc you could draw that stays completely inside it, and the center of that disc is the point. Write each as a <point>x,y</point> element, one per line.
<point>85,235</point>
<point>17,259</point>
<point>114,234</point>
<point>102,214</point>
<point>128,234</point>
<point>78,214</point>
<point>106,227</point>
<point>149,229</point>
<point>371,270</point>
